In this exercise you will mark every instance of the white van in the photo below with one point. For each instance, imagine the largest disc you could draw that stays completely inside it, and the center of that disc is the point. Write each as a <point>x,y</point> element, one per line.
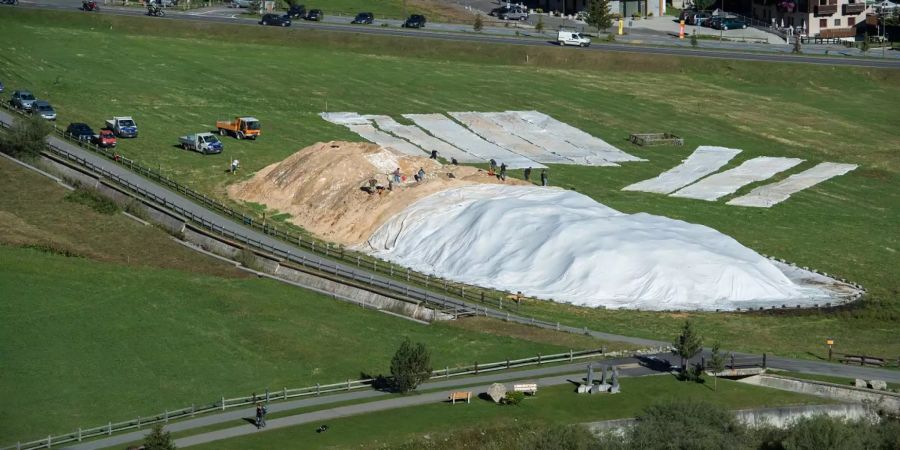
<point>572,38</point>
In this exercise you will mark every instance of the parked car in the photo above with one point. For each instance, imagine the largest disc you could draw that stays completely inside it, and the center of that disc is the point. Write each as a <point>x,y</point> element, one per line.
<point>314,15</point>
<point>275,20</point>
<point>22,100</point>
<point>686,14</point>
<point>711,22</point>
<point>698,18</point>
<point>80,131</point>
<point>512,13</point>
<point>239,4</point>
<point>296,11</point>
<point>364,18</point>
<point>43,109</point>
<point>106,138</point>
<point>730,23</point>
<point>572,38</point>
<point>415,21</point>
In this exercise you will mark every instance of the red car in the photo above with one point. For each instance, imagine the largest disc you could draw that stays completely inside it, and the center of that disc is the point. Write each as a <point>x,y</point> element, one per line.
<point>106,138</point>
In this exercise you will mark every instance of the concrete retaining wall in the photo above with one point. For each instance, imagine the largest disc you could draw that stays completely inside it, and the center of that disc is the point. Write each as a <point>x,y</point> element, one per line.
<point>887,401</point>
<point>779,417</point>
<point>233,251</point>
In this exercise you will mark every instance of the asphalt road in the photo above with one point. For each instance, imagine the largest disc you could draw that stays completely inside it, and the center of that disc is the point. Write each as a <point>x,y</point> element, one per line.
<point>233,19</point>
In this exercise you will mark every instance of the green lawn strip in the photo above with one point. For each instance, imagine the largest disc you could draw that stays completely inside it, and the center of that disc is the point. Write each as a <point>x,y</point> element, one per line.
<point>109,342</point>
<point>557,404</point>
<point>764,109</point>
<point>827,378</point>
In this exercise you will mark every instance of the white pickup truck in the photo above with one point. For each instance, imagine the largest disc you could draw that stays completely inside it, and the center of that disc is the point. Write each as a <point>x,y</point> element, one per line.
<point>123,126</point>
<point>206,143</point>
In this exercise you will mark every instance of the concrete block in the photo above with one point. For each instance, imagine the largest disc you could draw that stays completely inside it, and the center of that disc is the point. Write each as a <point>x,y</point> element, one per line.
<point>878,385</point>
<point>860,383</point>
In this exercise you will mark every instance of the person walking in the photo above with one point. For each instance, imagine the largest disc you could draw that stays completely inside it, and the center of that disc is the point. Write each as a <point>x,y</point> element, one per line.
<point>545,180</point>
<point>234,166</point>
<point>493,165</point>
<point>528,174</point>
<point>397,175</point>
<point>503,172</point>
<point>259,415</point>
<point>434,154</point>
<point>454,161</point>
<point>263,411</point>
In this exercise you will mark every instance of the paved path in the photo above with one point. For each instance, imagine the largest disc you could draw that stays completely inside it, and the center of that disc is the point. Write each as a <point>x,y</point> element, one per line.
<point>499,35</point>
<point>237,416</point>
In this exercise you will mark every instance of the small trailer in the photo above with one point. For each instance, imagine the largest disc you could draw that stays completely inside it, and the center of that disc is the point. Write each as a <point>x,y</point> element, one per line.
<point>240,127</point>
<point>206,143</point>
<point>653,139</point>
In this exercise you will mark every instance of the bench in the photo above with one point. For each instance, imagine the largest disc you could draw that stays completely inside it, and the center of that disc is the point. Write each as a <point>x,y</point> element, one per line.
<point>530,389</point>
<point>460,395</point>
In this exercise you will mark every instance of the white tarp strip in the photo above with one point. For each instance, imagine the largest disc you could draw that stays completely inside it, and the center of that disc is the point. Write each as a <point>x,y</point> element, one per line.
<point>363,127</point>
<point>424,140</point>
<point>514,124</point>
<point>383,139</point>
<point>344,118</point>
<point>444,128</point>
<point>704,161</point>
<point>598,147</point>
<point>489,130</point>
<point>729,181</point>
<point>771,194</point>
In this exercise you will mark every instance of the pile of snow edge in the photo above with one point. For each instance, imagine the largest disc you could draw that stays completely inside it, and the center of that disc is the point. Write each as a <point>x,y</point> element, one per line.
<point>551,243</point>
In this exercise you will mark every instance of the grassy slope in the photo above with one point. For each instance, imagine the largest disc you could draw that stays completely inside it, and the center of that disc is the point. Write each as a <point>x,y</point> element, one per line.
<point>556,404</point>
<point>845,226</point>
<point>140,323</point>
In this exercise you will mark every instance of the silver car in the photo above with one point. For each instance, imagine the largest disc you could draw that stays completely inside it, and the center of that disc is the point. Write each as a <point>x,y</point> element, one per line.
<point>22,100</point>
<point>512,14</point>
<point>240,3</point>
<point>44,109</point>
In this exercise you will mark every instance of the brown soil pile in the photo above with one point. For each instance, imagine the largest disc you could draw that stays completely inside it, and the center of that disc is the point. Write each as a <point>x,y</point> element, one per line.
<point>321,187</point>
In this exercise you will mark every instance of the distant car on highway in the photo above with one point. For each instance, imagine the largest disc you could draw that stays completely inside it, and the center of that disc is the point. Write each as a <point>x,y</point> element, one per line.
<point>22,100</point>
<point>43,109</point>
<point>239,4</point>
<point>415,21</point>
<point>80,131</point>
<point>296,11</point>
<point>512,13</point>
<point>365,18</point>
<point>275,20</point>
<point>572,38</point>
<point>314,14</point>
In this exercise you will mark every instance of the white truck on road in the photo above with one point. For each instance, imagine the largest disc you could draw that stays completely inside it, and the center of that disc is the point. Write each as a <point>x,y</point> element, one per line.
<point>206,143</point>
<point>123,127</point>
<point>572,38</point>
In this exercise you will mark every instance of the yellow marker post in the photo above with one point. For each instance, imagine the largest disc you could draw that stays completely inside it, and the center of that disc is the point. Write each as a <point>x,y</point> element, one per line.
<point>681,30</point>
<point>829,342</point>
<point>621,26</point>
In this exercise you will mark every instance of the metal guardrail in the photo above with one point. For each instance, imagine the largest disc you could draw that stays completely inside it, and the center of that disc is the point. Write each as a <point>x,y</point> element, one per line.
<point>223,403</point>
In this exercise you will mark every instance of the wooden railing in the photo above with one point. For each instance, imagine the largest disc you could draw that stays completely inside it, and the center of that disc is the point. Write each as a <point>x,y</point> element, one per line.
<point>826,10</point>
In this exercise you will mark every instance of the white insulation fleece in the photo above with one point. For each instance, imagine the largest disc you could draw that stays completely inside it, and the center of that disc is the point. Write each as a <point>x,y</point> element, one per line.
<point>562,245</point>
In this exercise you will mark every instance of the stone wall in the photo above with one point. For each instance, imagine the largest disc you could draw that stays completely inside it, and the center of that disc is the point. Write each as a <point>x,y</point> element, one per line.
<point>888,401</point>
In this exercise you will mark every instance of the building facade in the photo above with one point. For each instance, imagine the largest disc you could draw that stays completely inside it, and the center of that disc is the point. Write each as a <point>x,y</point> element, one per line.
<point>822,18</point>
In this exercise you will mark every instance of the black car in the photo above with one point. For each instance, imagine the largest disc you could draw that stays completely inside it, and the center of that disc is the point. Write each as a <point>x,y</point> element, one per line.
<point>314,14</point>
<point>296,11</point>
<point>364,18</point>
<point>415,21</point>
<point>80,131</point>
<point>275,20</point>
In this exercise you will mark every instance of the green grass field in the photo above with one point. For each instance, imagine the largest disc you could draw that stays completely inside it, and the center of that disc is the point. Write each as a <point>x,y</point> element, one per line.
<point>557,404</point>
<point>177,78</point>
<point>132,322</point>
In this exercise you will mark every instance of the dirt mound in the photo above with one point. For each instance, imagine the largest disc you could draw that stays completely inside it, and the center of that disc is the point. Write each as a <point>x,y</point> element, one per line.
<point>322,187</point>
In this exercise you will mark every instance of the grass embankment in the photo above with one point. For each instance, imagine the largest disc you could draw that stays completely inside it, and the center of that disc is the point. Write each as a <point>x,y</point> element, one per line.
<point>845,226</point>
<point>552,405</point>
<point>829,379</point>
<point>131,323</point>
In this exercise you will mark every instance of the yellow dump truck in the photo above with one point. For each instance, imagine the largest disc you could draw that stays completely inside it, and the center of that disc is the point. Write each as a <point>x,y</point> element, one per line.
<point>240,127</point>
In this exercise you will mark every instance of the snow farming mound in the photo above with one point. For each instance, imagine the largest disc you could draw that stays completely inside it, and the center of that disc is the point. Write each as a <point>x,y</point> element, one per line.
<point>557,244</point>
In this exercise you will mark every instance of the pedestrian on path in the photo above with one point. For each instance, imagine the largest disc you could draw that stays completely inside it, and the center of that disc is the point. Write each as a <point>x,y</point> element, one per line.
<point>234,166</point>
<point>528,174</point>
<point>259,415</point>
<point>503,172</point>
<point>545,180</point>
<point>263,417</point>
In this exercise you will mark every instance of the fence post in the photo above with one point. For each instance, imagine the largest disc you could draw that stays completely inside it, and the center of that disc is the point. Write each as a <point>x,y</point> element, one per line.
<point>327,246</point>
<point>49,441</point>
<point>407,274</point>
<point>348,384</point>
<point>357,260</point>
<point>79,434</point>
<point>166,416</point>
<point>109,429</point>
<point>391,267</point>
<point>426,279</point>
<point>507,316</point>
<point>223,403</point>
<point>139,422</point>
<point>312,246</point>
<point>501,300</point>
<point>193,409</point>
<point>446,372</point>
<point>375,265</point>
<point>284,391</point>
<point>764,360</point>
<point>570,355</point>
<point>318,389</point>
<point>476,367</point>
<point>539,359</point>
<point>507,363</point>
<point>557,326</point>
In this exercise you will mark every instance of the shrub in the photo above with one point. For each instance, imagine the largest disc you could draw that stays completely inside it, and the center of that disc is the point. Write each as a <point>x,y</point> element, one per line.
<point>26,139</point>
<point>158,439</point>
<point>539,27</point>
<point>479,23</point>
<point>687,424</point>
<point>822,433</point>
<point>513,398</point>
<point>93,199</point>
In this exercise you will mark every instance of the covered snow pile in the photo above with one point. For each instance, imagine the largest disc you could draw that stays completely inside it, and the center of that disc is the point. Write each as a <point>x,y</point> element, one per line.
<point>557,244</point>
<point>321,187</point>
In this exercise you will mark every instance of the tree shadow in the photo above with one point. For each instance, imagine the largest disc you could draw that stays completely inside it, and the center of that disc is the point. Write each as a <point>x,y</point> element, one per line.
<point>379,382</point>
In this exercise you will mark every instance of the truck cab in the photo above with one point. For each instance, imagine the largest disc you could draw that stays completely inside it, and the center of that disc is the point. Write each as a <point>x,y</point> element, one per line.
<point>241,127</point>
